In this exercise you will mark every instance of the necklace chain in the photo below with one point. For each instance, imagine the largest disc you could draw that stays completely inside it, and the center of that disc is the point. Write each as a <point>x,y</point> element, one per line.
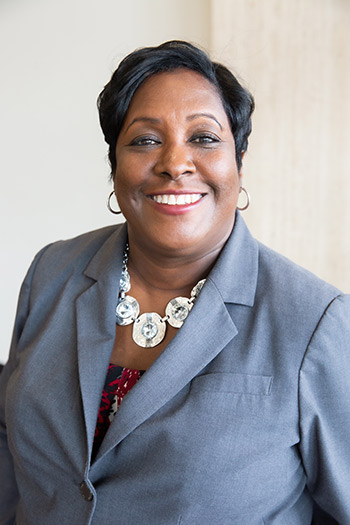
<point>149,328</point>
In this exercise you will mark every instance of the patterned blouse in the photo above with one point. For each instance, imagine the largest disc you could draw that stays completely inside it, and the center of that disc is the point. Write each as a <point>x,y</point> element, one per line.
<point>119,381</point>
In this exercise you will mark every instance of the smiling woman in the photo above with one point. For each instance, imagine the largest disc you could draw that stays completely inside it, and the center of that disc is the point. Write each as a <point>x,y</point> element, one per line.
<point>195,398</point>
<point>176,141</point>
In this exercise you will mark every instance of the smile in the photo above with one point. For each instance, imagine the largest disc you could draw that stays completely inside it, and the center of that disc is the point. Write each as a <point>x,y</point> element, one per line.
<point>172,199</point>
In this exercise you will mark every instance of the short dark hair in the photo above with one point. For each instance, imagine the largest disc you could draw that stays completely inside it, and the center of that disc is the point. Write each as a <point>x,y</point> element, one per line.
<point>114,100</point>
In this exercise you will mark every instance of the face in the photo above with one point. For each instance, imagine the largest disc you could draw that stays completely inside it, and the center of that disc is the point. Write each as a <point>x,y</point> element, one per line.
<point>176,180</point>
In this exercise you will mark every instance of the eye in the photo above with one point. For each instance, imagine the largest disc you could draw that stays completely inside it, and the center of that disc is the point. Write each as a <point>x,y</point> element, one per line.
<point>205,138</point>
<point>145,141</point>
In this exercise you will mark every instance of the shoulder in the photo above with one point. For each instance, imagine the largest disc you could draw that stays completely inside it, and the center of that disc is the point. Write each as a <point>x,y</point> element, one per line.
<point>333,329</point>
<point>71,256</point>
<point>293,299</point>
<point>100,233</point>
<point>250,273</point>
<point>283,277</point>
<point>86,243</point>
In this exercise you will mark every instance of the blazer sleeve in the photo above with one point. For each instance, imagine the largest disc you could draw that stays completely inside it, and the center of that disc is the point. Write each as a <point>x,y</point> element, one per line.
<point>9,493</point>
<point>324,391</point>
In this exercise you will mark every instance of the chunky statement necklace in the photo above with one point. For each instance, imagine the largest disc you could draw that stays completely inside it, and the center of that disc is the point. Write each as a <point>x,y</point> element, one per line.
<point>149,328</point>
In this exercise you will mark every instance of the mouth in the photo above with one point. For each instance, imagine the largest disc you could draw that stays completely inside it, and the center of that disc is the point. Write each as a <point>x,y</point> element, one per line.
<point>174,199</point>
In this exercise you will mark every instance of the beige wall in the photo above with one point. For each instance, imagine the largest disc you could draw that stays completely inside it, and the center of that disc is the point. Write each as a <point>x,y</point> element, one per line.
<point>295,57</point>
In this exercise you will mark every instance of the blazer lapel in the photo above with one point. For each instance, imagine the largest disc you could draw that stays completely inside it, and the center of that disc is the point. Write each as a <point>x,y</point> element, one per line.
<point>200,339</point>
<point>95,310</point>
<point>208,329</point>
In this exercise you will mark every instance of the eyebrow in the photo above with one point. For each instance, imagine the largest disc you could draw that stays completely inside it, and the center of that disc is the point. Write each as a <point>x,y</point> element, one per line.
<point>208,115</point>
<point>143,119</point>
<point>153,120</point>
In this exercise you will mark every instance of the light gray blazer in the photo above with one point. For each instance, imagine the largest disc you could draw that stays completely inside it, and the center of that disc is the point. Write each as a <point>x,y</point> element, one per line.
<point>244,419</point>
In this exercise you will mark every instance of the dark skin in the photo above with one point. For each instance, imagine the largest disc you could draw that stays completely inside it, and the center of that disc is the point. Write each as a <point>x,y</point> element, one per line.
<point>176,140</point>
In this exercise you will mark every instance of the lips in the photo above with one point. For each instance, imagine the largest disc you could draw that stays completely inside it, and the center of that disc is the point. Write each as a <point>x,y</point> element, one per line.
<point>172,199</point>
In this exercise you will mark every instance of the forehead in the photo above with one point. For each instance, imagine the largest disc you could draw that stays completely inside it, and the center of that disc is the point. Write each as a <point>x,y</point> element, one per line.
<point>178,90</point>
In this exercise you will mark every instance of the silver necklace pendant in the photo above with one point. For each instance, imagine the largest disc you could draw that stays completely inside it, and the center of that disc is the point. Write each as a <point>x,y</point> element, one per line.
<point>149,328</point>
<point>127,310</point>
<point>177,311</point>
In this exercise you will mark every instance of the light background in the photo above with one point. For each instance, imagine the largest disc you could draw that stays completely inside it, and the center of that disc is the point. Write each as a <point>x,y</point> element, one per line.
<point>55,57</point>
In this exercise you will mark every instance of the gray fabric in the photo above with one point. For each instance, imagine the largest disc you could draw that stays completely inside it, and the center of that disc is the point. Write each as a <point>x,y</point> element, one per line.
<point>243,419</point>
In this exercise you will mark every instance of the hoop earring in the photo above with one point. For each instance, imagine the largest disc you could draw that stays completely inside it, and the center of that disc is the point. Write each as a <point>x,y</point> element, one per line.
<point>248,199</point>
<point>109,204</point>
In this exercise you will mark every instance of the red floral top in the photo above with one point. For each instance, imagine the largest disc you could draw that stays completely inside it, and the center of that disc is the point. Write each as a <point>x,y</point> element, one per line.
<point>119,381</point>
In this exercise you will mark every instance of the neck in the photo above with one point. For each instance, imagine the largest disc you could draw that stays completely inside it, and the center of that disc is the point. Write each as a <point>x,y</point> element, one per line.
<point>176,271</point>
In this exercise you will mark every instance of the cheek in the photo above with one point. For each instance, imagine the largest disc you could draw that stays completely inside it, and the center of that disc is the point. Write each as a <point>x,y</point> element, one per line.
<point>131,173</point>
<point>226,190</point>
<point>123,179</point>
<point>221,169</point>
<point>225,180</point>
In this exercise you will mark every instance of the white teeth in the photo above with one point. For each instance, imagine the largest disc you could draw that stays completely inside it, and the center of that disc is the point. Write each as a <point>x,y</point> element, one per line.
<point>172,199</point>
<point>180,199</point>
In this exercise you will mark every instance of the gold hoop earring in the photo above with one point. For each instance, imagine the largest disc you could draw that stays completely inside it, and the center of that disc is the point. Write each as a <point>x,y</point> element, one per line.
<point>248,199</point>
<point>109,204</point>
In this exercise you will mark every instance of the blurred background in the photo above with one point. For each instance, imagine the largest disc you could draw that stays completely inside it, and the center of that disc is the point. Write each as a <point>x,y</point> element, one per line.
<point>56,56</point>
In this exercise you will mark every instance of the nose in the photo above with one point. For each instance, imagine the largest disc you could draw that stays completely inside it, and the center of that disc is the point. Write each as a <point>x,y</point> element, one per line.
<point>174,161</point>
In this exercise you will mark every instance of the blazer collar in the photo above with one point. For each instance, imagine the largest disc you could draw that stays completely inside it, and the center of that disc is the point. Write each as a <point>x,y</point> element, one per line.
<point>235,274</point>
<point>108,259</point>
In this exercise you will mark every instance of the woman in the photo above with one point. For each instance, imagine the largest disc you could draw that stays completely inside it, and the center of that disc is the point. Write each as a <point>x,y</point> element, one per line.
<point>231,361</point>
